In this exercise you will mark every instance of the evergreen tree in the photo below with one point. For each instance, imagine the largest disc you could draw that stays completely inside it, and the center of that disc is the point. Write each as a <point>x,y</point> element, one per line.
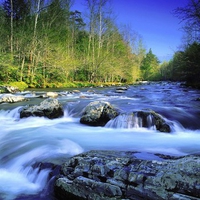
<point>149,66</point>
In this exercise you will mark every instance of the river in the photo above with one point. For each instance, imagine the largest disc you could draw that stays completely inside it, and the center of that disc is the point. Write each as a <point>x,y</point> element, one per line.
<point>24,142</point>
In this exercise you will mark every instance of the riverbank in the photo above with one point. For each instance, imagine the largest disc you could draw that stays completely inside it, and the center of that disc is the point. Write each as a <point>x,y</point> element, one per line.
<point>22,85</point>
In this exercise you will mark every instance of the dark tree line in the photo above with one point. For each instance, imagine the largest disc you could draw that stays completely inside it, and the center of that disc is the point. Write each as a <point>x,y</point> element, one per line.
<point>185,65</point>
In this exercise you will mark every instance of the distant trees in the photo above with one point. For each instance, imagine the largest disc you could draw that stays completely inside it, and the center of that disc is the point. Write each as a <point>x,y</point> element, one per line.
<point>45,43</point>
<point>185,65</point>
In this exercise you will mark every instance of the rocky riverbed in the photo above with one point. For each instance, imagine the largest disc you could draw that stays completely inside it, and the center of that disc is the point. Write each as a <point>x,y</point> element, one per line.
<point>112,175</point>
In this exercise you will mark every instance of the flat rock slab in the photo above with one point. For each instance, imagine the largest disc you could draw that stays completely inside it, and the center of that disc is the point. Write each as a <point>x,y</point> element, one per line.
<point>8,98</point>
<point>129,175</point>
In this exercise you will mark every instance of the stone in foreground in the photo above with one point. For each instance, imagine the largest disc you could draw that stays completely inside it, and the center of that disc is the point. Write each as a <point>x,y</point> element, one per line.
<point>109,175</point>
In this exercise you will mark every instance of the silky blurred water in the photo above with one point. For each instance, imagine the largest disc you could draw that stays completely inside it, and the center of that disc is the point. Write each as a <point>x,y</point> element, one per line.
<point>26,141</point>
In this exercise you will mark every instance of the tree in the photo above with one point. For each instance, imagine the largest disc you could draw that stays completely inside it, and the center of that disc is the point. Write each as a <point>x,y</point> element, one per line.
<point>185,66</point>
<point>190,14</point>
<point>149,66</point>
<point>4,30</point>
<point>192,64</point>
<point>18,9</point>
<point>98,21</point>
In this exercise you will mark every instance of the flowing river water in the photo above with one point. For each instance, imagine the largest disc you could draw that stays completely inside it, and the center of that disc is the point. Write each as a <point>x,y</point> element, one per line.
<point>24,142</point>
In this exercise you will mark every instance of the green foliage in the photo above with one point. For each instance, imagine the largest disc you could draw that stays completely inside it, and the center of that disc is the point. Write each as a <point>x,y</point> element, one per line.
<point>8,72</point>
<point>192,64</point>
<point>150,66</point>
<point>56,47</point>
<point>185,66</point>
<point>21,85</point>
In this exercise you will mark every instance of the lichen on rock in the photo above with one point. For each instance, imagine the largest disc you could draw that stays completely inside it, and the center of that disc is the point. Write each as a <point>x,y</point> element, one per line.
<point>122,175</point>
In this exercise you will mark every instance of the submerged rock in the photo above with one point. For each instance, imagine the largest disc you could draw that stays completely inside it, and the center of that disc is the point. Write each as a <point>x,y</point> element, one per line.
<point>155,120</point>
<point>147,119</point>
<point>98,113</point>
<point>8,98</point>
<point>121,175</point>
<point>49,108</point>
<point>121,89</point>
<point>52,94</point>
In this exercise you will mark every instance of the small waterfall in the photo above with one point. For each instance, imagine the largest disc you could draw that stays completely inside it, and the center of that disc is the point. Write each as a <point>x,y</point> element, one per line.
<point>24,180</point>
<point>145,119</point>
<point>175,126</point>
<point>8,114</point>
<point>28,181</point>
<point>133,120</point>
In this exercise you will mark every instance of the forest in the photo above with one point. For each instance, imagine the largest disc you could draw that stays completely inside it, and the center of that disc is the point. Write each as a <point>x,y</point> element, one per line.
<point>48,44</point>
<point>185,64</point>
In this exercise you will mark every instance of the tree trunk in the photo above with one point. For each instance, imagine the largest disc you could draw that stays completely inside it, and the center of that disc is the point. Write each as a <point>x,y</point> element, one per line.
<point>22,68</point>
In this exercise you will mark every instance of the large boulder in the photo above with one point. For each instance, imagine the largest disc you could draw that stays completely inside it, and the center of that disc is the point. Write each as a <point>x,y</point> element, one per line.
<point>49,108</point>
<point>109,175</point>
<point>98,113</point>
<point>8,98</point>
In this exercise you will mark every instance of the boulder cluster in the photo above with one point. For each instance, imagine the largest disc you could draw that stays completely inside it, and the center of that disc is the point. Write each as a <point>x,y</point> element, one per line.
<point>98,113</point>
<point>111,175</point>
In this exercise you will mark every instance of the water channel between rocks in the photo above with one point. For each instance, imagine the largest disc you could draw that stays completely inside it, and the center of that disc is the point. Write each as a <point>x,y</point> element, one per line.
<point>26,141</point>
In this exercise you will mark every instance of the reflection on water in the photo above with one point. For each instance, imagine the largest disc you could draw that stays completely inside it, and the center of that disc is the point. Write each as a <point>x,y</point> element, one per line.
<point>24,142</point>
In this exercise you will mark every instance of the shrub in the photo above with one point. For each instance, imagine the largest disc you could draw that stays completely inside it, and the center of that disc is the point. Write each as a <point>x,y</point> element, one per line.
<point>21,85</point>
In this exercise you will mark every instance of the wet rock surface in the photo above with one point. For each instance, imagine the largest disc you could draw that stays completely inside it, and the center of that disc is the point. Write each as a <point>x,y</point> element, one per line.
<point>129,175</point>
<point>146,119</point>
<point>98,113</point>
<point>9,98</point>
<point>157,121</point>
<point>49,108</point>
